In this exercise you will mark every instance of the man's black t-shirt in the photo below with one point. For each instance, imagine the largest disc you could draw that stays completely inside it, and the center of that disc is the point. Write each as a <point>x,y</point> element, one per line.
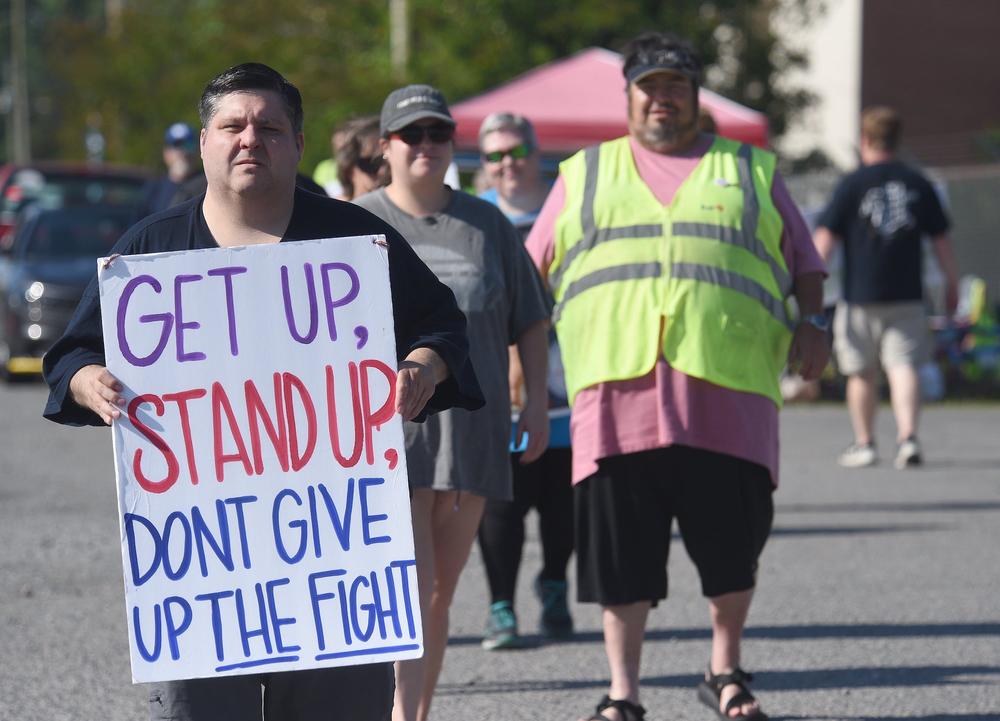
<point>424,309</point>
<point>881,212</point>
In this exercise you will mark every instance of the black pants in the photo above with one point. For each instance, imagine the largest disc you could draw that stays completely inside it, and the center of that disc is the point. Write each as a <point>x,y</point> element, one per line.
<point>358,693</point>
<point>724,511</point>
<point>544,485</point>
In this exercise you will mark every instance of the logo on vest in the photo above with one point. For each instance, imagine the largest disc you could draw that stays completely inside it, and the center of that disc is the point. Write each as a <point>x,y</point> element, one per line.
<point>718,207</point>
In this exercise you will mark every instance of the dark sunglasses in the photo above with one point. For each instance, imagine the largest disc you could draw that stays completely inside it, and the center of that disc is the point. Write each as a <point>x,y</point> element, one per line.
<point>369,166</point>
<point>516,153</point>
<point>416,134</point>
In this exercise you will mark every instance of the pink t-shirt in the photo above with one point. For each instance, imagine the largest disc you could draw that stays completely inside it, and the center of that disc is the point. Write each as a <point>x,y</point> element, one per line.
<point>667,407</point>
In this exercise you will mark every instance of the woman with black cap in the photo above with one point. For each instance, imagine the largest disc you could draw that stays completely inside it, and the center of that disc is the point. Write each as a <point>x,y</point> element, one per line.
<point>457,459</point>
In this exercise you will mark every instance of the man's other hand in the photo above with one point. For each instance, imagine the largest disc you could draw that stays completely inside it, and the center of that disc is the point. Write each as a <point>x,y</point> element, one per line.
<point>418,376</point>
<point>809,352</point>
<point>95,388</point>
<point>414,387</point>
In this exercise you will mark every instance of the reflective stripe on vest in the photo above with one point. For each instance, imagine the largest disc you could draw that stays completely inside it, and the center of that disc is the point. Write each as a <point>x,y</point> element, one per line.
<point>745,237</point>
<point>709,263</point>
<point>592,235</point>
<point>685,271</point>
<point>733,281</point>
<point>631,271</point>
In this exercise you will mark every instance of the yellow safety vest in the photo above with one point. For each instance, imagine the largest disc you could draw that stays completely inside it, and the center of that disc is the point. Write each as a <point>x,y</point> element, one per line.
<point>707,268</point>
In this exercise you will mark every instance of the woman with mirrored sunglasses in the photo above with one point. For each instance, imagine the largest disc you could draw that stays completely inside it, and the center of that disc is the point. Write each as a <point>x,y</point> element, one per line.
<point>456,460</point>
<point>509,149</point>
<point>512,164</point>
<point>360,165</point>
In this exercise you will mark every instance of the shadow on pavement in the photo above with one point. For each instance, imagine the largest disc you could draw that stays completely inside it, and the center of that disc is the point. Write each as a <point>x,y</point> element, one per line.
<point>932,717</point>
<point>847,530</point>
<point>816,679</point>
<point>485,687</point>
<point>973,463</point>
<point>777,633</point>
<point>869,677</point>
<point>919,507</point>
<point>870,630</point>
<point>856,530</point>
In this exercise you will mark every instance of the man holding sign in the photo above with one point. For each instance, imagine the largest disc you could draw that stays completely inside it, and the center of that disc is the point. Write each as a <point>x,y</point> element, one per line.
<point>251,143</point>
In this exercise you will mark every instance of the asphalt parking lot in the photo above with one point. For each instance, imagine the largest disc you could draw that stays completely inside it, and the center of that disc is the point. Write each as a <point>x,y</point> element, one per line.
<point>879,593</point>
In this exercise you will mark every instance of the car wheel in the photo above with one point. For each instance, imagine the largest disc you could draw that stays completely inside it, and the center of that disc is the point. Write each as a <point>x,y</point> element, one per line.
<point>5,375</point>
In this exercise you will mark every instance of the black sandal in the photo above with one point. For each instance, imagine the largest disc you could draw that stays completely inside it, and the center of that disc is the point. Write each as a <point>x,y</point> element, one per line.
<point>628,710</point>
<point>710,694</point>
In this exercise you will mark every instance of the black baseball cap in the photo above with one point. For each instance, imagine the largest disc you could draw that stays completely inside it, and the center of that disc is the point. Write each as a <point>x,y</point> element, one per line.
<point>412,103</point>
<point>677,59</point>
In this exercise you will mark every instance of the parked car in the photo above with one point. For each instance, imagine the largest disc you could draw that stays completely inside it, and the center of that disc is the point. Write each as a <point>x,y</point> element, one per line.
<point>43,272</point>
<point>59,184</point>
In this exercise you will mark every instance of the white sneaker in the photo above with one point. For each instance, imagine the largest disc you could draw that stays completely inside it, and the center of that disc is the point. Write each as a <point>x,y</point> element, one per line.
<point>908,454</point>
<point>858,455</point>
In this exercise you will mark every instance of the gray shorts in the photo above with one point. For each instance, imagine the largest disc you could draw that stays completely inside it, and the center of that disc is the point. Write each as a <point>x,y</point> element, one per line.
<point>359,693</point>
<point>864,333</point>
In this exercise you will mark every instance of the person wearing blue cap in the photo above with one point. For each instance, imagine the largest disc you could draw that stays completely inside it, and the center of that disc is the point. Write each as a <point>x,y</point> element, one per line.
<point>180,156</point>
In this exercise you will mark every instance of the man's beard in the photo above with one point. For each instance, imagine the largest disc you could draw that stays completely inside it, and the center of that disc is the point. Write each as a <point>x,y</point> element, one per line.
<point>669,134</point>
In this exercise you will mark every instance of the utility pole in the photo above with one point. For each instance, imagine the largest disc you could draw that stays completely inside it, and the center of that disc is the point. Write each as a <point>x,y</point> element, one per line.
<point>20,124</point>
<point>113,17</point>
<point>399,38</point>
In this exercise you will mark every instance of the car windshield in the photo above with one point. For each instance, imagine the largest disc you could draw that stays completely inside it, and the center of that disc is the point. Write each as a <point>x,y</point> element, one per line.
<point>54,189</point>
<point>74,233</point>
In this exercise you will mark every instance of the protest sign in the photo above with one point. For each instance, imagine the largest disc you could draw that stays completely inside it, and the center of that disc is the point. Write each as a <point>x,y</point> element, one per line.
<point>262,486</point>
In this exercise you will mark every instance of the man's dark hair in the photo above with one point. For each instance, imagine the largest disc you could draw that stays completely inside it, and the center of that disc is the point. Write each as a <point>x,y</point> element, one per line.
<point>882,127</point>
<point>250,77</point>
<point>655,49</point>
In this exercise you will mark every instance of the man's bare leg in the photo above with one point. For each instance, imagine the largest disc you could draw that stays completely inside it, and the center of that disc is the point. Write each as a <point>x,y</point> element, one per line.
<point>729,616</point>
<point>624,627</point>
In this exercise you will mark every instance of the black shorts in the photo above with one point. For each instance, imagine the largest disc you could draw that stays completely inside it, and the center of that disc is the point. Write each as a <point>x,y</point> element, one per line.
<point>624,512</point>
<point>362,693</point>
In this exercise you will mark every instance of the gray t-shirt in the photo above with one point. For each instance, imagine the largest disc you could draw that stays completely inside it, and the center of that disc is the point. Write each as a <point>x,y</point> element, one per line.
<point>477,253</point>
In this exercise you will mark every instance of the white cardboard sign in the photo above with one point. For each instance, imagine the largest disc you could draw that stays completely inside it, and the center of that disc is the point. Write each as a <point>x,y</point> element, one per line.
<point>262,488</point>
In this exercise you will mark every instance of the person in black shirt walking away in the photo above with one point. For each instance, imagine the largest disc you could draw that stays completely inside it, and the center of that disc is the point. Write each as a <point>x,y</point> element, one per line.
<point>880,212</point>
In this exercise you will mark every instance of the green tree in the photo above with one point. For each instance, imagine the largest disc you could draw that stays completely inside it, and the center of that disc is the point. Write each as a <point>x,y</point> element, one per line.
<point>132,77</point>
<point>470,47</point>
<point>42,86</point>
<point>135,82</point>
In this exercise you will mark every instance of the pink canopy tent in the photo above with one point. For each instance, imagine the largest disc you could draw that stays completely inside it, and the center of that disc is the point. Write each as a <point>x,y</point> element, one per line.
<point>580,100</point>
